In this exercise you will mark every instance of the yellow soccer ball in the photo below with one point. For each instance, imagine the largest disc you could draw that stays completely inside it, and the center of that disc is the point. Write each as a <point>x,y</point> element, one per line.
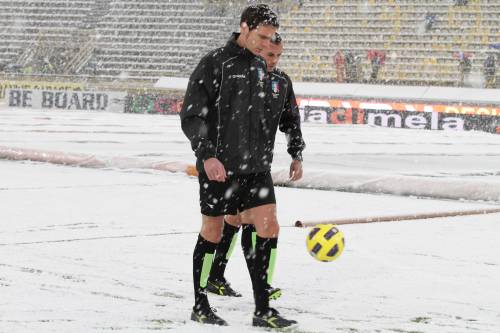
<point>325,242</point>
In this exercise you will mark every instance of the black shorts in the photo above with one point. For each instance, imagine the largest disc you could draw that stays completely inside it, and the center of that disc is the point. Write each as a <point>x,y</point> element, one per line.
<point>236,194</point>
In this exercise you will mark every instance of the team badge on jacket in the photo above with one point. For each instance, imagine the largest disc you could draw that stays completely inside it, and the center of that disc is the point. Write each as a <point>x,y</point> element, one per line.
<point>275,86</point>
<point>261,75</point>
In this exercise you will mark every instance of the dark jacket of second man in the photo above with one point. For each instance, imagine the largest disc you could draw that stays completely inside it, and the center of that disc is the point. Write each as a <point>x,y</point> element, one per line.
<point>232,109</point>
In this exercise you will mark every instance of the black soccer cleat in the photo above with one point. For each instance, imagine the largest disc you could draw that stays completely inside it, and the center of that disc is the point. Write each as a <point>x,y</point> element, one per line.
<point>206,315</point>
<point>271,318</point>
<point>274,293</point>
<point>221,288</point>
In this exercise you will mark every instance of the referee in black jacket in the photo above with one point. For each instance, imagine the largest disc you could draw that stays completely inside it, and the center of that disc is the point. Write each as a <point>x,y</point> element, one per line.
<point>280,87</point>
<point>230,118</point>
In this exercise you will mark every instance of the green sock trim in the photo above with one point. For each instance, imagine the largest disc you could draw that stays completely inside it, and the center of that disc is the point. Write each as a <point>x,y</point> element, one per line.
<point>231,246</point>
<point>208,259</point>
<point>254,240</point>
<point>272,263</point>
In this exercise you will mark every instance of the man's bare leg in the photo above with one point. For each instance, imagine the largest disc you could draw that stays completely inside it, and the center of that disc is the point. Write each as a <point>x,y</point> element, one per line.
<point>211,228</point>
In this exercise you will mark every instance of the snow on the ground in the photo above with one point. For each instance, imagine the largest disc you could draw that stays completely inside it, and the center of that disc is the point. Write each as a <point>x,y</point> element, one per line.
<point>98,250</point>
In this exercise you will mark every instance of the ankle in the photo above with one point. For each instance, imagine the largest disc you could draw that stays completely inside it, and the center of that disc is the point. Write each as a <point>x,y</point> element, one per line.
<point>201,304</point>
<point>264,311</point>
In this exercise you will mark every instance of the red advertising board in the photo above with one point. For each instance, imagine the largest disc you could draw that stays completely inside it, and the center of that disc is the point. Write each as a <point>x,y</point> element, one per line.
<point>400,114</point>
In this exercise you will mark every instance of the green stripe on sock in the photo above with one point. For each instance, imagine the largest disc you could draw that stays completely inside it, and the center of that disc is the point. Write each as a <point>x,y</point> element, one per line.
<point>272,263</point>
<point>254,240</point>
<point>231,246</point>
<point>208,259</point>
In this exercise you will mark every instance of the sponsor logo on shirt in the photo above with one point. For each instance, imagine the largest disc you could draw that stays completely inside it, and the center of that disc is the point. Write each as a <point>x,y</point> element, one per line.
<point>237,76</point>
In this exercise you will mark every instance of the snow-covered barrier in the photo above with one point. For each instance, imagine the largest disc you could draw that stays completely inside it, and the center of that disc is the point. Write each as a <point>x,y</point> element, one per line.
<point>419,186</point>
<point>374,92</point>
<point>90,161</point>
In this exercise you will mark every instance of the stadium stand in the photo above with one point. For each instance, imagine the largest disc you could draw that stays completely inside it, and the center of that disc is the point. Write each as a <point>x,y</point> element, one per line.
<point>106,38</point>
<point>155,38</point>
<point>148,39</point>
<point>42,36</point>
<point>317,29</point>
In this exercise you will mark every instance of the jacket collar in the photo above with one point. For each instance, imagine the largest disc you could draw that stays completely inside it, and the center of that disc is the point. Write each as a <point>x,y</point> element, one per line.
<point>235,48</point>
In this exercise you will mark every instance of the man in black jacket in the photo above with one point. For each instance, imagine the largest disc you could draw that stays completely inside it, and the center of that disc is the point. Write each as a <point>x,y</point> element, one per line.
<point>280,85</point>
<point>231,121</point>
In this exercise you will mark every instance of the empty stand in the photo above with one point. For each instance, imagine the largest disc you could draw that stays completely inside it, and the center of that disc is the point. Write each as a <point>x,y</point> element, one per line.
<point>149,39</point>
<point>319,28</point>
<point>156,38</point>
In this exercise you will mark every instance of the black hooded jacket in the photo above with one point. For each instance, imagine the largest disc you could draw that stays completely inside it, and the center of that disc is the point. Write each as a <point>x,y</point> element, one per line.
<point>233,107</point>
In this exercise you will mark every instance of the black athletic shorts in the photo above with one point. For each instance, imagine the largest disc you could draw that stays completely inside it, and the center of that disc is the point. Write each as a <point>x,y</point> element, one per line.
<point>236,194</point>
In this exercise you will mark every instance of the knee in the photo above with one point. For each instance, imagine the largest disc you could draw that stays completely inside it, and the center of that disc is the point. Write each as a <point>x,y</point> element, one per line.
<point>275,230</point>
<point>212,231</point>
<point>211,234</point>
<point>269,228</point>
<point>233,220</point>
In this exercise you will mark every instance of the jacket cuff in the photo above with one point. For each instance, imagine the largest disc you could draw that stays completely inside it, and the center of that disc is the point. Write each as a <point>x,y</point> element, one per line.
<point>297,156</point>
<point>206,157</point>
<point>205,153</point>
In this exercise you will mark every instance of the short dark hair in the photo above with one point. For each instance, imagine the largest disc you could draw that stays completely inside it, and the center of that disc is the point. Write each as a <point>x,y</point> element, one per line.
<point>276,40</point>
<point>260,14</point>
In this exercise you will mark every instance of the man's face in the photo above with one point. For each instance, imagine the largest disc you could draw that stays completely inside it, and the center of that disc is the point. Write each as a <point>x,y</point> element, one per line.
<point>259,38</point>
<point>272,55</point>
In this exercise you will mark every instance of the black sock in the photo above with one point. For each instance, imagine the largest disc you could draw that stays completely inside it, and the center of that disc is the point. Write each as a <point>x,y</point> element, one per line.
<point>265,252</point>
<point>202,261</point>
<point>223,252</point>
<point>248,245</point>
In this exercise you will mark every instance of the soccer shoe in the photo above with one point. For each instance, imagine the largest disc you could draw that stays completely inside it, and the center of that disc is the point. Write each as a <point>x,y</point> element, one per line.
<point>274,293</point>
<point>222,288</point>
<point>271,319</point>
<point>206,315</point>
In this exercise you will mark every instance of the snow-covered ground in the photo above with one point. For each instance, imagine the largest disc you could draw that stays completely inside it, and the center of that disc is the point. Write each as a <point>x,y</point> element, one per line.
<point>97,250</point>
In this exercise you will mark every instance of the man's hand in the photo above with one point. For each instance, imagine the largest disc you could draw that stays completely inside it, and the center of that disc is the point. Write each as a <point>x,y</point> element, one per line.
<point>295,170</point>
<point>215,170</point>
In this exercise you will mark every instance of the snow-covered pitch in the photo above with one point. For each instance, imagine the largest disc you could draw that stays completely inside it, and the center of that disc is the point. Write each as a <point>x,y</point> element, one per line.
<point>110,249</point>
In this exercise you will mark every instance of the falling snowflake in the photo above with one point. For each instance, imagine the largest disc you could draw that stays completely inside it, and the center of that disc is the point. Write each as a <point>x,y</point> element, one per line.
<point>264,192</point>
<point>228,193</point>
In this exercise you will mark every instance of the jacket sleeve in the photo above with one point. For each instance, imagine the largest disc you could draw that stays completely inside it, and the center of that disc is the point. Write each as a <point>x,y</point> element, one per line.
<point>198,102</point>
<point>290,124</point>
